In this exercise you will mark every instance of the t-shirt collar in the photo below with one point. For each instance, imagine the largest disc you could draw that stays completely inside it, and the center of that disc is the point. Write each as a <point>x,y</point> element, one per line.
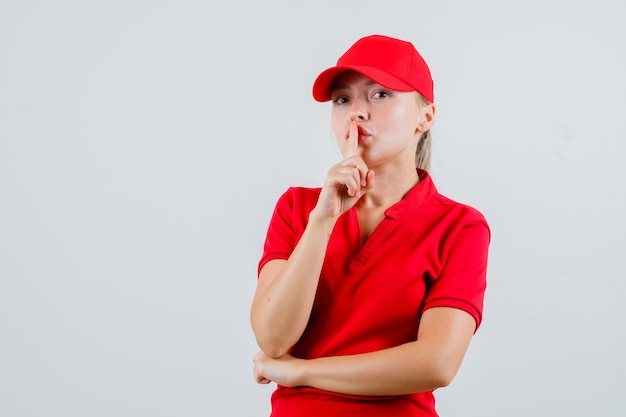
<point>416,196</point>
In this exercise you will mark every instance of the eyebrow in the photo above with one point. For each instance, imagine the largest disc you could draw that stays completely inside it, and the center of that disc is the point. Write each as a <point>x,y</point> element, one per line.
<point>346,86</point>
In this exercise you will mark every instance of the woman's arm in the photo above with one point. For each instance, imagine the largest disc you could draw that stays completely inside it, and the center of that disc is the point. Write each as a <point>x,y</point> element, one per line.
<point>286,290</point>
<point>428,363</point>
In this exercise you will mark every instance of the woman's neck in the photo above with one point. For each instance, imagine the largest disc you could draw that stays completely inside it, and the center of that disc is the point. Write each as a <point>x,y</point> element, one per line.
<point>390,186</point>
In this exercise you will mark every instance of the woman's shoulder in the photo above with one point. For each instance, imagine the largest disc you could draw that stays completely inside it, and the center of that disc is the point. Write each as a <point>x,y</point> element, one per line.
<point>302,192</point>
<point>299,197</point>
<point>427,196</point>
<point>469,213</point>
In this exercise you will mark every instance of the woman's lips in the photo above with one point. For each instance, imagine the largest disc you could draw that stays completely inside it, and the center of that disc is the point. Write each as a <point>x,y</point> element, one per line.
<point>362,132</point>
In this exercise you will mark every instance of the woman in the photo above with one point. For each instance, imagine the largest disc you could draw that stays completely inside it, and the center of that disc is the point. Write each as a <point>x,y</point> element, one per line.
<point>371,287</point>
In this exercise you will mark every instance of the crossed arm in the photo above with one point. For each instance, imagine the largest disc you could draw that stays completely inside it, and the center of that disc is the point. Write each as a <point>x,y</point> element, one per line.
<point>428,363</point>
<point>282,306</point>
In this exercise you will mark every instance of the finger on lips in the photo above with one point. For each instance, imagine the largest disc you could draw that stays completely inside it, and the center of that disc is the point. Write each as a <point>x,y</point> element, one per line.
<point>352,148</point>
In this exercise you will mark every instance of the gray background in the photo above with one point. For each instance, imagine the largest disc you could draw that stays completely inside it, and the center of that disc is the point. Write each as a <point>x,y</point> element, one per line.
<point>143,145</point>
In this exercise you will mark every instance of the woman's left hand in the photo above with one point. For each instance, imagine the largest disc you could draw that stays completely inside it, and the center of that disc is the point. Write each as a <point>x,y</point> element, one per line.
<point>285,371</point>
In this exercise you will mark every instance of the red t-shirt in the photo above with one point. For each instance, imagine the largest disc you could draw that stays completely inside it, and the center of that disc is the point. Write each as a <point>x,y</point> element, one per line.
<point>428,251</point>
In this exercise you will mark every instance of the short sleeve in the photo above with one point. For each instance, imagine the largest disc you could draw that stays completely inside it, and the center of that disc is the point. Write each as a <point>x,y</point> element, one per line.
<point>463,278</point>
<point>288,222</point>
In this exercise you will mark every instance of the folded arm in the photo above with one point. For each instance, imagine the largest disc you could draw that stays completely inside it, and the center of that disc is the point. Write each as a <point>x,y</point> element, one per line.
<point>428,363</point>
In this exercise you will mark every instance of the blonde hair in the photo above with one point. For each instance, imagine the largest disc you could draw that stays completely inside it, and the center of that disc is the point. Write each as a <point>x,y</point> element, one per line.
<point>423,151</point>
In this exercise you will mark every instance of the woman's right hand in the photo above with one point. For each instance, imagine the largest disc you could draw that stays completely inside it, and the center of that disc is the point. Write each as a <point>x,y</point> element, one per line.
<point>346,181</point>
<point>286,289</point>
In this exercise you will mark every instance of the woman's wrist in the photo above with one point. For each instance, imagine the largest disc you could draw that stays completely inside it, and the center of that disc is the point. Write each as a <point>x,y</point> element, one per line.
<point>319,221</point>
<point>301,372</point>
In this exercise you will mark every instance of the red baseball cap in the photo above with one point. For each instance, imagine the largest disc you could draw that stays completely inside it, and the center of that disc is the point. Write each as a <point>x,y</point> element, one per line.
<point>392,63</point>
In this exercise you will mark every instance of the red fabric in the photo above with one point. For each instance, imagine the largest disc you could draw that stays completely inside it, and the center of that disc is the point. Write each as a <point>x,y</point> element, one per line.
<point>428,251</point>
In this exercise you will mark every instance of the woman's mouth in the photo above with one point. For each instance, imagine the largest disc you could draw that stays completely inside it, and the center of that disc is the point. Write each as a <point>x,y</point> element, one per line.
<point>363,133</point>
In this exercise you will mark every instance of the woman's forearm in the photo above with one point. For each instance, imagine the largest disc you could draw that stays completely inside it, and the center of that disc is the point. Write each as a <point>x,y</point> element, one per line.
<point>400,370</point>
<point>428,363</point>
<point>286,290</point>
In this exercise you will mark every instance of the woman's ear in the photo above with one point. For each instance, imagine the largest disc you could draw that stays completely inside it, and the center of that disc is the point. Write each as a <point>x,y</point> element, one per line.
<point>427,118</point>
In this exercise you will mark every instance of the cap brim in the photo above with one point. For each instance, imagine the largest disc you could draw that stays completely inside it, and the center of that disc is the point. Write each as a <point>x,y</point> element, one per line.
<point>324,82</point>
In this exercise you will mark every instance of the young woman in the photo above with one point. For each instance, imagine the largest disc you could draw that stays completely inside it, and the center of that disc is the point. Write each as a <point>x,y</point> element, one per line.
<point>370,287</point>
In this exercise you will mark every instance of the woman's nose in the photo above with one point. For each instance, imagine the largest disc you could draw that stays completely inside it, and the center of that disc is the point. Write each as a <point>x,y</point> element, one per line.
<point>358,111</point>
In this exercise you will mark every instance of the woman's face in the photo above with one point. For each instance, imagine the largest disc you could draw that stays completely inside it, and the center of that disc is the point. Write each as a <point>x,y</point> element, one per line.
<point>390,122</point>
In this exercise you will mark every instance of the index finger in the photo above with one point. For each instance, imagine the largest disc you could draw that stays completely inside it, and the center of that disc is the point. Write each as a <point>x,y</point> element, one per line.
<point>352,143</point>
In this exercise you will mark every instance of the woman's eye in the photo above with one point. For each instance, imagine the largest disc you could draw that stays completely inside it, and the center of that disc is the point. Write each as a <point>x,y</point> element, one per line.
<point>340,100</point>
<point>381,94</point>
